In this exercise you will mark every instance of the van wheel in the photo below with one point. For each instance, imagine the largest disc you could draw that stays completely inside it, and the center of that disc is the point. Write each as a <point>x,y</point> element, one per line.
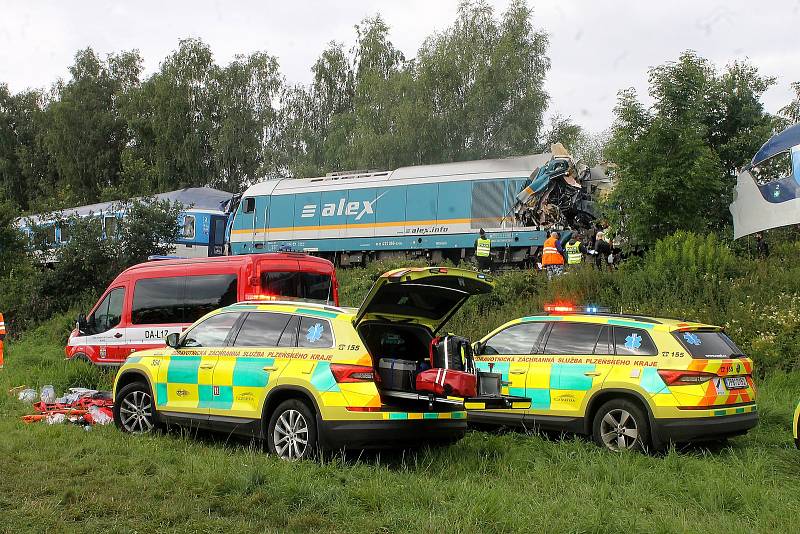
<point>621,425</point>
<point>133,409</point>
<point>292,431</point>
<point>80,357</point>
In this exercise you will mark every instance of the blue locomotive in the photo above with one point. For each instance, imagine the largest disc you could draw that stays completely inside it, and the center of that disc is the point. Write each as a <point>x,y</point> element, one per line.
<point>432,211</point>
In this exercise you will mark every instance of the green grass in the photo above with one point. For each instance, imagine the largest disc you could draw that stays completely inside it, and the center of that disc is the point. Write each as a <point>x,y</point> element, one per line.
<point>63,479</point>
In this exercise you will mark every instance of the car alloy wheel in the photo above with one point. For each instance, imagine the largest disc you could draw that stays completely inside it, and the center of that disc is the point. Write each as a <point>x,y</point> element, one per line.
<point>291,435</point>
<point>136,412</point>
<point>619,430</point>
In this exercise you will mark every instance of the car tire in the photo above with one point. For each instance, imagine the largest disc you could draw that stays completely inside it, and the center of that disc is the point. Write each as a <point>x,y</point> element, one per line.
<point>621,424</point>
<point>134,409</point>
<point>292,431</point>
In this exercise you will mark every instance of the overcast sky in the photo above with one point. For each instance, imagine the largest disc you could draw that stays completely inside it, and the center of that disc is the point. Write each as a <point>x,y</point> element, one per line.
<point>596,47</point>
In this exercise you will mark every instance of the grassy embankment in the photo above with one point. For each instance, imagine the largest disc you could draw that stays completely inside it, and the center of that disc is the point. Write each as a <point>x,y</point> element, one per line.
<point>65,479</point>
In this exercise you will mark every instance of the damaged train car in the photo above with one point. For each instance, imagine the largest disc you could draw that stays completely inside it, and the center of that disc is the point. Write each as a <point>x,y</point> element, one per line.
<point>430,211</point>
<point>768,189</point>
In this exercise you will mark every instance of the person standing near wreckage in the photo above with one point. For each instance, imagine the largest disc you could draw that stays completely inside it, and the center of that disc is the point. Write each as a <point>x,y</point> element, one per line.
<point>553,256</point>
<point>483,251</point>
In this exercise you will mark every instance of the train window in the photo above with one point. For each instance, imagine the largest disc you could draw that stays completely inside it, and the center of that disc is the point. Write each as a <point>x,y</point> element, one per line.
<point>207,293</point>
<point>110,226</point>
<point>249,205</point>
<point>775,168</point>
<point>187,228</point>
<point>65,232</point>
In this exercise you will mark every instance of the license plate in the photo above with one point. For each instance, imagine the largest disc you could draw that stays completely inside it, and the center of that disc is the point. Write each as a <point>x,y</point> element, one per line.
<point>736,382</point>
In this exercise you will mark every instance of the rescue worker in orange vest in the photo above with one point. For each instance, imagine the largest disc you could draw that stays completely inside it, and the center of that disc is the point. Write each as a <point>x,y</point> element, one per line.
<point>2,337</point>
<point>553,256</point>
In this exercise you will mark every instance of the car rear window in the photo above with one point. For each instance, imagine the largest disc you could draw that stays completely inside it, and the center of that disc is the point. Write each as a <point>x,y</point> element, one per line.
<point>297,284</point>
<point>708,345</point>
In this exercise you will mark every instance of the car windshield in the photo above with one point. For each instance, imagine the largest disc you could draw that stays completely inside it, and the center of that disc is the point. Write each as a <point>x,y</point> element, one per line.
<point>712,345</point>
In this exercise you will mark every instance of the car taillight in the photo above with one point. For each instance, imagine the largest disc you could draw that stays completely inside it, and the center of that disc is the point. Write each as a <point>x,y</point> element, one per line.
<point>352,373</point>
<point>684,378</point>
<point>363,408</point>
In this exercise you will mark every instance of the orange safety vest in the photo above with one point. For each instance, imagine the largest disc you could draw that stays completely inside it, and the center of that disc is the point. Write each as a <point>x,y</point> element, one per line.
<point>550,254</point>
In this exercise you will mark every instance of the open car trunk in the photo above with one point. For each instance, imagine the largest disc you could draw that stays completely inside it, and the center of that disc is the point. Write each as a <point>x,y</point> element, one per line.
<point>400,317</point>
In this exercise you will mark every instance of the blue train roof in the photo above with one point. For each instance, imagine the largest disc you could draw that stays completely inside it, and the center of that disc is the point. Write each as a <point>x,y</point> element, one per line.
<point>199,198</point>
<point>778,143</point>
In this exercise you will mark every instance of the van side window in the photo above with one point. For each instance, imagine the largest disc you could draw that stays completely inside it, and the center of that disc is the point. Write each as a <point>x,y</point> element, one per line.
<point>212,332</point>
<point>158,301</point>
<point>520,338</point>
<point>633,342</point>
<point>262,330</point>
<point>207,293</point>
<point>315,333</point>
<point>108,314</point>
<point>572,338</point>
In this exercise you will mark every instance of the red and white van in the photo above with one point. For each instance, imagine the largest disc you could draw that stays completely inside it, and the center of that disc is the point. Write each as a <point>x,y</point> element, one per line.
<point>150,300</point>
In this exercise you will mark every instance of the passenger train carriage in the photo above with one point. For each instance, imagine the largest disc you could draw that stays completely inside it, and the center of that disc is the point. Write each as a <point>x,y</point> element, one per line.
<point>202,221</point>
<point>428,210</point>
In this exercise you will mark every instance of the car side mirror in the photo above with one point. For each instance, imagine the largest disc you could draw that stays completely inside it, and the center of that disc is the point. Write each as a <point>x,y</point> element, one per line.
<point>81,324</point>
<point>172,340</point>
<point>477,348</point>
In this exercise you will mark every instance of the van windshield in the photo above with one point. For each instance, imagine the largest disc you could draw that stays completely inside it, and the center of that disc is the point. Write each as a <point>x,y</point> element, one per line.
<point>295,284</point>
<point>711,345</point>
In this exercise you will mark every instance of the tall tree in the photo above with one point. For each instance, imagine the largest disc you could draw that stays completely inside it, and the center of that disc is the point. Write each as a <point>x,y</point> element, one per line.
<point>245,141</point>
<point>677,160</point>
<point>86,132</point>
<point>485,81</point>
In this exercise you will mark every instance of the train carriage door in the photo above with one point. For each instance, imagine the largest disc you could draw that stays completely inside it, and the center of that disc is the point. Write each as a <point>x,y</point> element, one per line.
<point>421,200</point>
<point>243,229</point>
<point>306,219</point>
<point>260,222</point>
<point>360,212</point>
<point>333,221</point>
<point>216,238</point>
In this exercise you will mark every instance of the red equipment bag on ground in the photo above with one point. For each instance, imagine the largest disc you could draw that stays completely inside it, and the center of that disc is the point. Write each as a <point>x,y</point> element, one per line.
<point>447,382</point>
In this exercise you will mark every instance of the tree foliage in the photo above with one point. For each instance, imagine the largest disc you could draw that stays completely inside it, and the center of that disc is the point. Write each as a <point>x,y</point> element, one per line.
<point>678,159</point>
<point>52,280</point>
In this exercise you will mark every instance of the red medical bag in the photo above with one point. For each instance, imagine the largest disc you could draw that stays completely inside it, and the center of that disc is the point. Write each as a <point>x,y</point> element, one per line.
<point>447,382</point>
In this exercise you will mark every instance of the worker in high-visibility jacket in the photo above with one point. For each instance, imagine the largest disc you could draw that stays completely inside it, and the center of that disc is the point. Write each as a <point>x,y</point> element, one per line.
<point>553,256</point>
<point>2,337</point>
<point>575,250</point>
<point>483,248</point>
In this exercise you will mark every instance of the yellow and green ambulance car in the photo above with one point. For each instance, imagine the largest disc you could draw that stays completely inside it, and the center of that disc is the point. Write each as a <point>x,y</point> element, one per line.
<point>302,376</point>
<point>630,382</point>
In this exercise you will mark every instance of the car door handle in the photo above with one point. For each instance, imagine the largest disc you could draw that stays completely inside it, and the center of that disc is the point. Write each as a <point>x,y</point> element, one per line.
<point>206,366</point>
<point>118,335</point>
<point>270,368</point>
<point>592,373</point>
<point>518,371</point>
